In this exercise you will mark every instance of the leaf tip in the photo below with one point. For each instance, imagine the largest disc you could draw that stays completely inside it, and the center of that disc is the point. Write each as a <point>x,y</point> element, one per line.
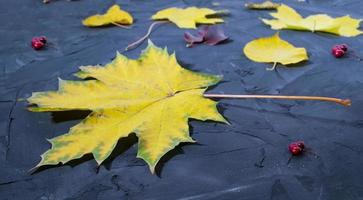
<point>150,43</point>
<point>33,169</point>
<point>227,122</point>
<point>60,82</point>
<point>152,169</point>
<point>99,162</point>
<point>219,77</point>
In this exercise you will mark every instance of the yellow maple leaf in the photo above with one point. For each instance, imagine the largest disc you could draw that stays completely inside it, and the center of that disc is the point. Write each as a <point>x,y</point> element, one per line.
<point>152,96</point>
<point>267,5</point>
<point>114,15</point>
<point>288,18</point>
<point>188,17</point>
<point>274,49</point>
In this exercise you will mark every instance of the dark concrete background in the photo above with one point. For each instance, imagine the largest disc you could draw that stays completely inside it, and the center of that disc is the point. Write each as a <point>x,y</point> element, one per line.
<point>225,162</point>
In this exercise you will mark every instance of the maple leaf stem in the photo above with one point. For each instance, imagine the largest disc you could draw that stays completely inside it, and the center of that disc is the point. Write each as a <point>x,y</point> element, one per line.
<point>120,25</point>
<point>273,67</point>
<point>344,102</point>
<point>142,39</point>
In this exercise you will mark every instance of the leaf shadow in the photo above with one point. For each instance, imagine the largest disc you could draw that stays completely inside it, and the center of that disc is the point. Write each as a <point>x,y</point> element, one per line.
<point>63,116</point>
<point>226,41</point>
<point>71,163</point>
<point>325,34</point>
<point>178,150</point>
<point>185,64</point>
<point>216,85</point>
<point>221,109</point>
<point>122,145</point>
<point>295,65</point>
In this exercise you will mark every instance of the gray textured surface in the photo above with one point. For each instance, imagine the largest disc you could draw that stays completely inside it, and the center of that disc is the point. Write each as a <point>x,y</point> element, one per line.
<point>222,165</point>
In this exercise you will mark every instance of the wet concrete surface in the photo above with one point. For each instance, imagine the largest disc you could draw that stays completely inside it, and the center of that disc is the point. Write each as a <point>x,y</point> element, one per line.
<point>247,160</point>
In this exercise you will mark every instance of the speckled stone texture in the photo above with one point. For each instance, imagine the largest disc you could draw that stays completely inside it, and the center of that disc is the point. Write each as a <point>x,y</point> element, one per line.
<point>247,160</point>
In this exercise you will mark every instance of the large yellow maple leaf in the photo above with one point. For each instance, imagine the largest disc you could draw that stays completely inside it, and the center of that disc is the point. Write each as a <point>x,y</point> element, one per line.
<point>188,17</point>
<point>288,18</point>
<point>152,96</point>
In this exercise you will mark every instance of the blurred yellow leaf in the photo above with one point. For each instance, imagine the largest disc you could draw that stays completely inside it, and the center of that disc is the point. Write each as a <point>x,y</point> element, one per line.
<point>267,5</point>
<point>288,18</point>
<point>114,15</point>
<point>152,96</point>
<point>274,50</point>
<point>188,17</point>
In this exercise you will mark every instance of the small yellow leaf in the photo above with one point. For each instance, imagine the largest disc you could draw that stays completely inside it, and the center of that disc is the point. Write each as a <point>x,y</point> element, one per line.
<point>274,50</point>
<point>288,18</point>
<point>267,5</point>
<point>188,17</point>
<point>152,96</point>
<point>114,15</point>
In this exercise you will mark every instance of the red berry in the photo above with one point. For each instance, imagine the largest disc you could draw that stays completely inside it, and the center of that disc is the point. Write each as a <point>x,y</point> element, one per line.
<point>296,150</point>
<point>343,47</point>
<point>337,52</point>
<point>300,144</point>
<point>43,39</point>
<point>333,49</point>
<point>35,39</point>
<point>37,45</point>
<point>292,145</point>
<point>38,42</point>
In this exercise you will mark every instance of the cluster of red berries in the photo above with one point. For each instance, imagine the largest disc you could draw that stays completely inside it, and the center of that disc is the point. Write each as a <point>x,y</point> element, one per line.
<point>339,50</point>
<point>296,148</point>
<point>39,42</point>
